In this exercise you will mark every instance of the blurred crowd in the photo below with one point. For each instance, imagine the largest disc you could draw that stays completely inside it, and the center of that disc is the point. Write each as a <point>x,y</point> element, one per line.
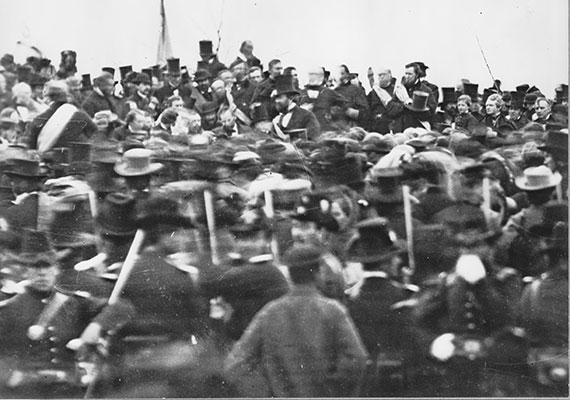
<point>223,231</point>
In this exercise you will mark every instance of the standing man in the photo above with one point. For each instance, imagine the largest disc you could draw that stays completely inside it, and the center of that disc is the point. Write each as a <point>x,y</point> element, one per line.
<point>246,56</point>
<point>202,92</point>
<point>383,85</point>
<point>210,60</point>
<point>423,73</point>
<point>304,344</point>
<point>142,99</point>
<point>173,85</point>
<point>100,99</point>
<point>242,89</point>
<point>357,109</point>
<point>265,89</point>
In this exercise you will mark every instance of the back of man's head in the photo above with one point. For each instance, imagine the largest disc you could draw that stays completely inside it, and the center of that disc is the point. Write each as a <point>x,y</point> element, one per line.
<point>303,261</point>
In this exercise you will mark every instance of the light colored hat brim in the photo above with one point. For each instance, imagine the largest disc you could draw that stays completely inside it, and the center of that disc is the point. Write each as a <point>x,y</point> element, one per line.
<point>151,169</point>
<point>522,183</point>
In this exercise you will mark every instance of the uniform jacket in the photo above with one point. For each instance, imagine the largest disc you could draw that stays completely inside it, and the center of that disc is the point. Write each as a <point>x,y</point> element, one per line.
<point>242,92</point>
<point>304,344</point>
<point>79,129</point>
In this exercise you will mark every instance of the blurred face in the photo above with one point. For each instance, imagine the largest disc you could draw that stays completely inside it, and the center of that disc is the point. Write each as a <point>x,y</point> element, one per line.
<point>41,278</point>
<point>316,77</point>
<point>239,72</point>
<point>219,87</point>
<point>144,88</point>
<point>462,107</point>
<point>343,75</point>
<point>304,231</point>
<point>178,103</point>
<point>139,123</point>
<point>282,102</point>
<point>295,76</point>
<point>228,78</point>
<point>384,78</point>
<point>203,84</point>
<point>228,120</point>
<point>255,77</point>
<point>194,123</point>
<point>410,76</point>
<point>542,108</point>
<point>106,87</point>
<point>514,112</point>
<point>209,120</point>
<point>276,70</point>
<point>492,108</point>
<point>370,76</point>
<point>101,120</point>
<point>339,215</point>
<point>247,49</point>
<point>174,79</point>
<point>23,185</point>
<point>8,132</point>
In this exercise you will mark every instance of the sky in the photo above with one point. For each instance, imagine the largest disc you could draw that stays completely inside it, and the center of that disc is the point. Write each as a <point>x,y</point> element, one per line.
<point>524,41</point>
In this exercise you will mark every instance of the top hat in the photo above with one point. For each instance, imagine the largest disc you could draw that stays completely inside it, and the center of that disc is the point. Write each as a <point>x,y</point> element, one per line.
<point>201,74</point>
<point>35,250</point>
<point>156,71</point>
<point>375,242</point>
<point>471,90</point>
<point>125,70</point>
<point>448,95</point>
<point>147,72</point>
<point>136,162</point>
<point>206,48</point>
<point>79,151</point>
<point>419,102</point>
<point>562,93</point>
<point>142,78</point>
<point>538,178</point>
<point>284,84</point>
<point>25,168</point>
<point>109,70</point>
<point>302,256</point>
<point>173,65</point>
<point>86,83</point>
<point>71,228</point>
<point>523,88</point>
<point>161,210</point>
<point>117,215</point>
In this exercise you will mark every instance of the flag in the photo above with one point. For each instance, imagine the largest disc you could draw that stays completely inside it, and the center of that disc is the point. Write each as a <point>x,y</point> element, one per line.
<point>164,45</point>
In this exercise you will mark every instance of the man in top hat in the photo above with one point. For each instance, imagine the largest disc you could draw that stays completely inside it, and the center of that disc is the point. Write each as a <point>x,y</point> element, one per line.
<point>209,60</point>
<point>61,124</point>
<point>413,104</point>
<point>209,113</point>
<point>101,98</point>
<point>516,111</point>
<point>285,339</point>
<point>173,85</point>
<point>291,116</point>
<point>264,90</point>
<point>357,111</point>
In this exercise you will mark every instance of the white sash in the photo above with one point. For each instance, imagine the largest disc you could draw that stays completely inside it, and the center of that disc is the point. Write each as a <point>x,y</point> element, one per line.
<point>53,128</point>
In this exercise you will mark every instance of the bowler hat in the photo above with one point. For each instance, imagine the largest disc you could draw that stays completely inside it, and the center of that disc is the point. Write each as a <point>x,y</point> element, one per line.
<point>302,256</point>
<point>201,74</point>
<point>161,210</point>
<point>117,216</point>
<point>125,70</point>
<point>375,242</point>
<point>419,102</point>
<point>471,90</point>
<point>136,162</point>
<point>25,168</point>
<point>141,78</point>
<point>207,107</point>
<point>538,178</point>
<point>173,65</point>
<point>109,70</point>
<point>285,84</point>
<point>206,48</point>
<point>86,83</point>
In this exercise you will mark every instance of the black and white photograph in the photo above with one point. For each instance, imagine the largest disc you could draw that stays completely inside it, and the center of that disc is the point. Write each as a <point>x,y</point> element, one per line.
<point>284,199</point>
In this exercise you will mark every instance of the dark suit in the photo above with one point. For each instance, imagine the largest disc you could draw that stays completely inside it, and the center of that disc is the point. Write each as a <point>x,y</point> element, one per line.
<point>242,93</point>
<point>406,118</point>
<point>94,103</point>
<point>213,66</point>
<point>302,119</point>
<point>262,94</point>
<point>322,104</point>
<point>355,98</point>
<point>379,118</point>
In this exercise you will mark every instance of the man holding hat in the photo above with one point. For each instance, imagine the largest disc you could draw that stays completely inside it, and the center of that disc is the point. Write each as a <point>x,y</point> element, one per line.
<point>305,345</point>
<point>291,116</point>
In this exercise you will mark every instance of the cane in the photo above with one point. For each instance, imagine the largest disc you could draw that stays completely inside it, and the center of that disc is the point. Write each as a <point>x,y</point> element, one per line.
<point>127,266</point>
<point>487,200</point>
<point>270,213</point>
<point>409,231</point>
<point>92,203</point>
<point>210,218</point>
<point>559,191</point>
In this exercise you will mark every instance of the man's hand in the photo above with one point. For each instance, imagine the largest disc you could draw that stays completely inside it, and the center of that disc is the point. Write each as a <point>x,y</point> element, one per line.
<point>91,334</point>
<point>352,113</point>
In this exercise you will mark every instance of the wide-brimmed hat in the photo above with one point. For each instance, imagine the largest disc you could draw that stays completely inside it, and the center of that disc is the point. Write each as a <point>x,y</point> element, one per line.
<point>136,162</point>
<point>538,178</point>
<point>419,101</point>
<point>161,210</point>
<point>25,168</point>
<point>117,215</point>
<point>375,242</point>
<point>285,84</point>
<point>201,74</point>
<point>35,251</point>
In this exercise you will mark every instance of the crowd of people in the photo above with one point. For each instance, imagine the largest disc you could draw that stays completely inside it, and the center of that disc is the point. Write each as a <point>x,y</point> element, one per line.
<point>224,232</point>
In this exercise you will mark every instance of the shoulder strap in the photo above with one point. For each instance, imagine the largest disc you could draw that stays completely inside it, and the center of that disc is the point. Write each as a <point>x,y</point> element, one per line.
<point>54,127</point>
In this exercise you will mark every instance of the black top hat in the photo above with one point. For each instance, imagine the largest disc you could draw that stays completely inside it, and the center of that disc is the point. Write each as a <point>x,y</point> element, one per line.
<point>125,70</point>
<point>156,71</point>
<point>142,78</point>
<point>419,102</point>
<point>523,88</point>
<point>161,210</point>
<point>71,228</point>
<point>173,65</point>
<point>201,74</point>
<point>206,48</point>
<point>147,72</point>
<point>285,84</point>
<point>109,70</point>
<point>86,83</point>
<point>258,113</point>
<point>36,80</point>
<point>79,151</point>
<point>471,90</point>
<point>35,250</point>
<point>375,242</point>
<point>448,95</point>
<point>25,168</point>
<point>117,216</point>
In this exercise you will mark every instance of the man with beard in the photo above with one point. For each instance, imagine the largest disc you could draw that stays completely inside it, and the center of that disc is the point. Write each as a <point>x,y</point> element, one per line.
<point>291,116</point>
<point>230,128</point>
<point>137,125</point>
<point>202,92</point>
<point>434,89</point>
<point>383,85</point>
<point>357,106</point>
<point>402,108</point>
<point>209,113</point>
<point>320,100</point>
<point>242,89</point>
<point>174,84</point>
<point>264,90</point>
<point>100,98</point>
<point>209,60</point>
<point>141,99</point>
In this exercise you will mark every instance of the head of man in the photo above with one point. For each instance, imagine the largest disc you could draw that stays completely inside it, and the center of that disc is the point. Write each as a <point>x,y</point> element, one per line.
<point>56,92</point>
<point>219,88</point>
<point>202,79</point>
<point>463,104</point>
<point>275,68</point>
<point>292,71</point>
<point>239,71</point>
<point>227,77</point>
<point>21,93</point>
<point>282,102</point>
<point>494,105</point>
<point>175,101</point>
<point>411,75</point>
<point>515,111</point>
<point>246,49</point>
<point>105,83</point>
<point>144,88</point>
<point>174,78</point>
<point>102,119</point>
<point>303,262</point>
<point>255,75</point>
<point>316,76</point>
<point>138,121</point>
<point>543,107</point>
<point>383,77</point>
<point>227,119</point>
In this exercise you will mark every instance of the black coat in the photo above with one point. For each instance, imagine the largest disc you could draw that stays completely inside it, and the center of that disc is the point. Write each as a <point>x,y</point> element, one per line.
<point>303,119</point>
